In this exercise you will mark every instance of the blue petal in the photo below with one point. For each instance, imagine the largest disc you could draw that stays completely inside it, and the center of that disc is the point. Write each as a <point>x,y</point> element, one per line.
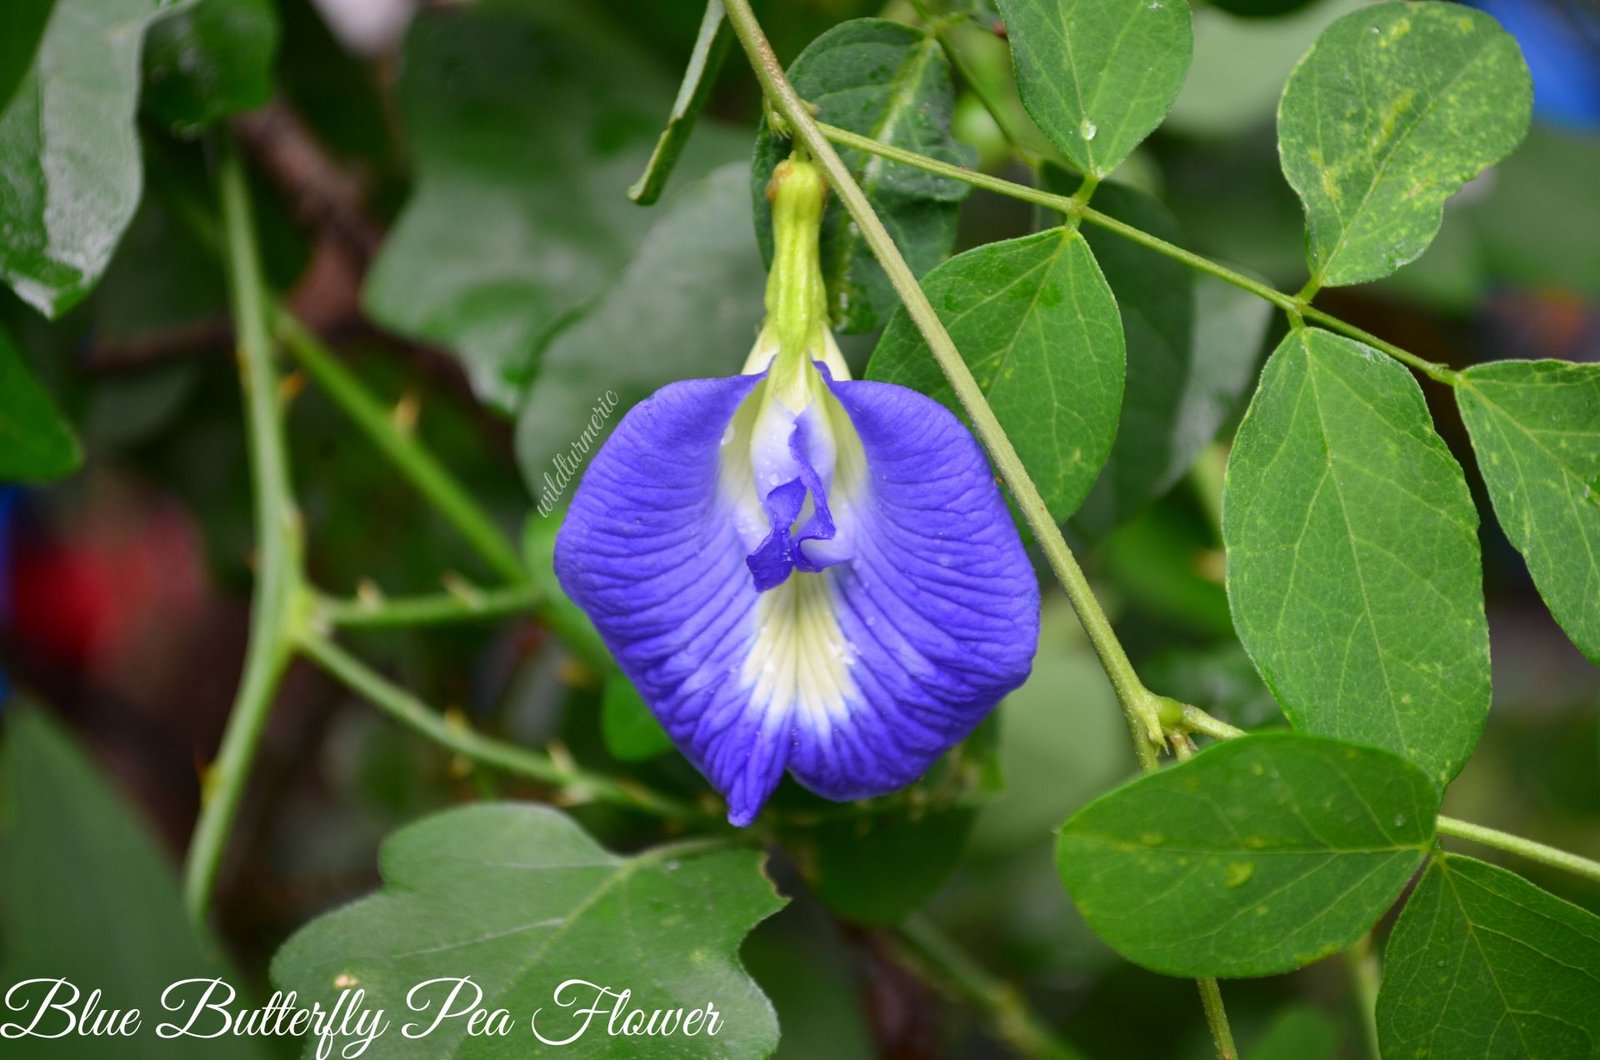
<point>650,551</point>
<point>856,677</point>
<point>940,601</point>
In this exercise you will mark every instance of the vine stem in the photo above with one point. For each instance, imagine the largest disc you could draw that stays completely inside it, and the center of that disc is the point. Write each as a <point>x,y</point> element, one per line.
<point>279,593</point>
<point>1138,703</point>
<point>413,461</point>
<point>466,604</point>
<point>1004,1008</point>
<point>1074,207</point>
<point>1217,1019</point>
<point>1515,844</point>
<point>577,784</point>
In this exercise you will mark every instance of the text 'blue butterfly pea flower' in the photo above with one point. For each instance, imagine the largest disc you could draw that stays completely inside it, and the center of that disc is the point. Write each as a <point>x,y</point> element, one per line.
<point>797,570</point>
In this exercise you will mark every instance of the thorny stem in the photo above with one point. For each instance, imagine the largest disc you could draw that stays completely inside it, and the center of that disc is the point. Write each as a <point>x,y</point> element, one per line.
<point>576,784</point>
<point>1072,206</point>
<point>279,593</point>
<point>951,969</point>
<point>1138,703</point>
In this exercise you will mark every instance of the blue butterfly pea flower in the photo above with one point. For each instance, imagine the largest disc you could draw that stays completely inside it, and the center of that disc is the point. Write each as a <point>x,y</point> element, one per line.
<point>800,571</point>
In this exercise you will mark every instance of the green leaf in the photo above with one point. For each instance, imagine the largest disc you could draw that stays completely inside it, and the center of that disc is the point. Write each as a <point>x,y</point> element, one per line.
<point>1098,75</point>
<point>878,868</point>
<point>1037,324</point>
<point>1166,564</point>
<point>631,732</point>
<point>1155,299</point>
<point>69,156</point>
<point>1353,565</point>
<point>526,139</point>
<point>22,25</point>
<point>518,897</point>
<point>879,862</point>
<point>36,444</point>
<point>892,83</point>
<point>699,78</point>
<point>1392,110</point>
<point>208,60</point>
<point>1298,1033</point>
<point>1193,348</point>
<point>1536,428</point>
<point>88,896</point>
<point>686,307</point>
<point>1183,411</point>
<point>1061,741</point>
<point>808,966</point>
<point>1256,856</point>
<point>1484,964</point>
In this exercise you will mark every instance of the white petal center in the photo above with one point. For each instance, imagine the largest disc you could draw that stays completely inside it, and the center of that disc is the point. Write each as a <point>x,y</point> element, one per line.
<point>800,662</point>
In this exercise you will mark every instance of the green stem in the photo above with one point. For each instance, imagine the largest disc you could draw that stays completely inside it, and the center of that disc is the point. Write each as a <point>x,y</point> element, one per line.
<point>1138,704</point>
<point>1070,206</point>
<point>1527,848</point>
<point>1008,1014</point>
<point>1217,1019</point>
<point>426,473</point>
<point>1366,976</point>
<point>459,605</point>
<point>576,784</point>
<point>998,185</point>
<point>279,592</point>
<point>1197,720</point>
<point>1437,372</point>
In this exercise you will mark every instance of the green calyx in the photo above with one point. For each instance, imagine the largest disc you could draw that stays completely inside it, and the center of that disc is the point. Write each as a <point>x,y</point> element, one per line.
<point>797,307</point>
